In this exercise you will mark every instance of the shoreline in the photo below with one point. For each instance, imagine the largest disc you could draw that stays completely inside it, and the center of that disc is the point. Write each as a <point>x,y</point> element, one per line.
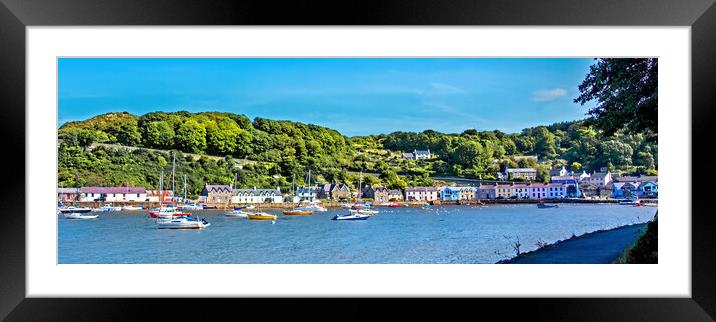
<point>335,204</point>
<point>597,247</point>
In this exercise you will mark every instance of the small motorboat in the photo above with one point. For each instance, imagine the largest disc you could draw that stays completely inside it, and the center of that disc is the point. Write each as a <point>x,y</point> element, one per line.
<point>108,207</point>
<point>237,214</point>
<point>543,205</point>
<point>297,212</point>
<point>353,216</point>
<point>73,209</point>
<point>313,206</point>
<point>208,207</point>
<point>426,207</point>
<point>168,213</point>
<point>190,206</point>
<point>75,215</point>
<point>244,207</point>
<point>261,216</point>
<point>394,205</point>
<point>182,223</point>
<point>132,208</point>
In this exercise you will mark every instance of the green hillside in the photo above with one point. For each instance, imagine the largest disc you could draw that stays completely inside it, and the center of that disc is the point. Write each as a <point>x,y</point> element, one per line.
<point>283,151</point>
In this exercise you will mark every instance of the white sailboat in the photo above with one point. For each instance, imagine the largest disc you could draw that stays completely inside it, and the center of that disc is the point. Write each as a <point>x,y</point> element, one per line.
<point>174,219</point>
<point>75,215</point>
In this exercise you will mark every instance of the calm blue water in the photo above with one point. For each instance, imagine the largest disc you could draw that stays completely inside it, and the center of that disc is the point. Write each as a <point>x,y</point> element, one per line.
<point>446,234</point>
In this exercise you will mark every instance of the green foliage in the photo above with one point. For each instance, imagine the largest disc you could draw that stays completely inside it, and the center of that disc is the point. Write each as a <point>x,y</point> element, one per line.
<point>626,91</point>
<point>646,248</point>
<point>191,137</point>
<point>285,150</point>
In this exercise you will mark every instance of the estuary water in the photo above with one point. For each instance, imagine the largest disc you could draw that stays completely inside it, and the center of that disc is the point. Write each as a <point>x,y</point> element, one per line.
<point>410,235</point>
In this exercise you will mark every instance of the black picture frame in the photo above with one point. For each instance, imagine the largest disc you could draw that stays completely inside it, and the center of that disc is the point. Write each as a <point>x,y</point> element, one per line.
<point>15,15</point>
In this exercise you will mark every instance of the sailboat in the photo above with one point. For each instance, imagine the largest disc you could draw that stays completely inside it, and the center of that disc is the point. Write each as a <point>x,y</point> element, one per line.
<point>188,205</point>
<point>176,219</point>
<point>171,211</point>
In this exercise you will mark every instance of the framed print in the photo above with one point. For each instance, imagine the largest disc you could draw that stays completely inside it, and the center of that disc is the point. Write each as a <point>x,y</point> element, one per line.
<point>463,151</point>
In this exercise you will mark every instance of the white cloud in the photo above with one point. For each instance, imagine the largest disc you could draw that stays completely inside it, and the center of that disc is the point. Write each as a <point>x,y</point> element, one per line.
<point>442,88</point>
<point>544,95</point>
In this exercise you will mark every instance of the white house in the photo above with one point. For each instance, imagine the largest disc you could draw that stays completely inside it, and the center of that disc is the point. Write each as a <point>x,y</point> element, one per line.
<point>418,155</point>
<point>422,155</point>
<point>257,196</point>
<point>306,193</point>
<point>547,191</point>
<point>522,173</point>
<point>112,194</point>
<point>601,179</point>
<point>584,175</point>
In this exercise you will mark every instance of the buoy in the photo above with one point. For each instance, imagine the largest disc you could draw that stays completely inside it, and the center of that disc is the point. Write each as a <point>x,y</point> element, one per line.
<point>273,222</point>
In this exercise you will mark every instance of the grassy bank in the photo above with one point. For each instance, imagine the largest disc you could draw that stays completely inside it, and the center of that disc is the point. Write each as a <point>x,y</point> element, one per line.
<point>645,250</point>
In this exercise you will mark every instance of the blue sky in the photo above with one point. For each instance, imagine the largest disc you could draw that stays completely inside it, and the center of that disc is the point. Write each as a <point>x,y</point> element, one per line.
<point>356,96</point>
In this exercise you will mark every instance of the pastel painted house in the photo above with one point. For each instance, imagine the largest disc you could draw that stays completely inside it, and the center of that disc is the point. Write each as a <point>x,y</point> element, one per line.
<point>458,193</point>
<point>572,183</point>
<point>520,191</point>
<point>547,191</point>
<point>503,191</point>
<point>486,191</point>
<point>422,193</point>
<point>113,194</point>
<point>257,196</point>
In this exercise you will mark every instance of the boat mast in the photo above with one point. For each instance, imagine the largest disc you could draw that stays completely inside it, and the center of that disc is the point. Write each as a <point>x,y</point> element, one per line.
<point>360,184</point>
<point>161,189</point>
<point>173,183</point>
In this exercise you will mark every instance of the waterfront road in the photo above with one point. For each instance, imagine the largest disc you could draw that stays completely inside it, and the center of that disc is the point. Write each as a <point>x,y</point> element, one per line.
<point>601,247</point>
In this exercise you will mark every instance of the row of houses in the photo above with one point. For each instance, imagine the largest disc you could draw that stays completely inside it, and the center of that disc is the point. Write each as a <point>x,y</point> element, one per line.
<point>112,194</point>
<point>226,194</point>
<point>605,184</point>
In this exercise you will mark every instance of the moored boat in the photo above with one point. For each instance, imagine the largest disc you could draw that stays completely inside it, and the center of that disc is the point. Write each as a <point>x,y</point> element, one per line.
<point>313,206</point>
<point>182,223</point>
<point>237,213</point>
<point>297,212</point>
<point>394,205</point>
<point>353,216</point>
<point>73,209</point>
<point>261,216</point>
<point>168,212</point>
<point>543,205</point>
<point>190,206</point>
<point>75,215</point>
<point>208,207</point>
<point>108,207</point>
<point>132,208</point>
<point>244,207</point>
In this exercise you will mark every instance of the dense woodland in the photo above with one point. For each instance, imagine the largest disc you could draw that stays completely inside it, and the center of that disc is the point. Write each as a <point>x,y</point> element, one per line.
<point>283,151</point>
